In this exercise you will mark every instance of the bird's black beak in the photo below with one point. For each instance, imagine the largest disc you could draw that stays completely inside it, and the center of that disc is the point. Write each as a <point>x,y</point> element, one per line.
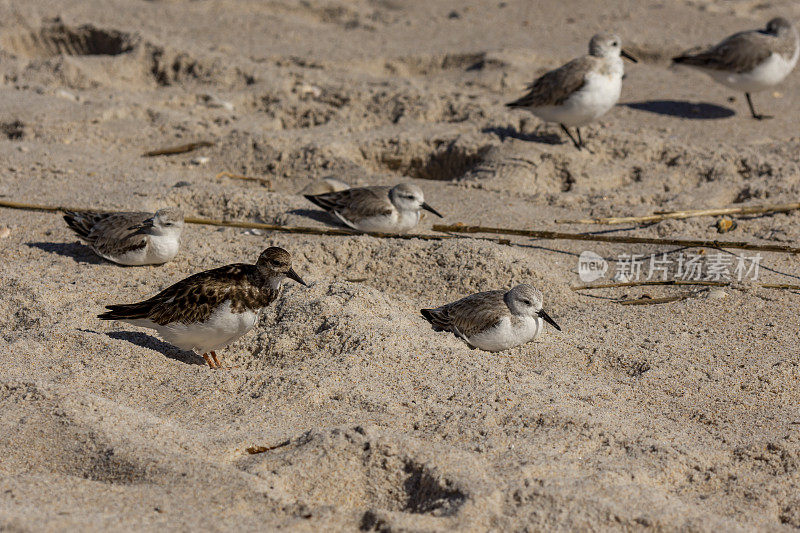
<point>549,320</point>
<point>426,207</point>
<point>628,56</point>
<point>145,228</point>
<point>293,275</point>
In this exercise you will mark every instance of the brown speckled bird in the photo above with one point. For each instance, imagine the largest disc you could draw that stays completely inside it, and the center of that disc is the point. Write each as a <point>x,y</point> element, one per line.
<point>211,309</point>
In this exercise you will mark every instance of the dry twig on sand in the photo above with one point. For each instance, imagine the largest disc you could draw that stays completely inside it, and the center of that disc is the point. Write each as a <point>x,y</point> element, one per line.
<point>449,230</point>
<point>700,283</point>
<point>182,149</point>
<point>307,230</point>
<point>310,230</point>
<point>42,207</point>
<point>615,285</point>
<point>688,213</point>
<point>647,300</point>
<point>557,235</point>
<point>252,450</point>
<point>655,301</point>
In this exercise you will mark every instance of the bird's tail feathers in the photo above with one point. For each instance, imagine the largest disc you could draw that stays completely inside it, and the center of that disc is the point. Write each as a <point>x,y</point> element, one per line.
<point>126,311</point>
<point>80,223</point>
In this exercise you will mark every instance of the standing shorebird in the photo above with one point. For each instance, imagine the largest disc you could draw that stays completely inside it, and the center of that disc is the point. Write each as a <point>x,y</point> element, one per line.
<point>750,61</point>
<point>209,310</point>
<point>130,238</point>
<point>582,90</point>
<point>493,320</point>
<point>376,209</point>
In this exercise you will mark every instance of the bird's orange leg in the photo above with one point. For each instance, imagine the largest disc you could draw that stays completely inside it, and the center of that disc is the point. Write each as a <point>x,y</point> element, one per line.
<point>210,362</point>
<point>214,357</point>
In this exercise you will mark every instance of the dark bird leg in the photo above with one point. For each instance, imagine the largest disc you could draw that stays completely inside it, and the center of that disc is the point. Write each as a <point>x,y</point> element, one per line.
<point>580,141</point>
<point>753,109</point>
<point>209,361</point>
<point>576,143</point>
<point>214,357</point>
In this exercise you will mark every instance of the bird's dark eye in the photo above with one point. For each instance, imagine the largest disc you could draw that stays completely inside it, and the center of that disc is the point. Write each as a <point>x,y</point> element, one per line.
<point>615,43</point>
<point>526,302</point>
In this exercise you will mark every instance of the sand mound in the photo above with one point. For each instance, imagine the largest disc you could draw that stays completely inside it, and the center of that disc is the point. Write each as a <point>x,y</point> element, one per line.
<point>86,56</point>
<point>380,479</point>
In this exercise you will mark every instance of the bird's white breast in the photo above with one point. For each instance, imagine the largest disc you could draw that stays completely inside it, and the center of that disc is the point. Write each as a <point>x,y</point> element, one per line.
<point>159,249</point>
<point>599,94</point>
<point>222,328</point>
<point>132,258</point>
<point>767,74</point>
<point>507,333</point>
<point>396,222</point>
<point>162,248</point>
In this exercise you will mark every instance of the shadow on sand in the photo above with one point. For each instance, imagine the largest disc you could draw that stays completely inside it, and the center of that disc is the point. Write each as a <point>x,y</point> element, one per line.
<point>152,343</point>
<point>682,109</point>
<point>80,253</point>
<point>511,133</point>
<point>318,215</point>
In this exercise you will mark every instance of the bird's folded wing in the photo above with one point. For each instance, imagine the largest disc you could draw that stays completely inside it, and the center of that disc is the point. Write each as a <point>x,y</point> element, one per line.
<point>473,314</point>
<point>116,233</point>
<point>554,87</point>
<point>741,52</point>
<point>358,203</point>
<point>193,299</point>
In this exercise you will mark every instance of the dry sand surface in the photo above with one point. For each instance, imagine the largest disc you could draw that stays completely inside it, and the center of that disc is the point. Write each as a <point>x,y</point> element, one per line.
<point>682,416</point>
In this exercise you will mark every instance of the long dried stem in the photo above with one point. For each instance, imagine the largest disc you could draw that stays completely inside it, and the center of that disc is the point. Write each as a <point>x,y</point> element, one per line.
<point>688,213</point>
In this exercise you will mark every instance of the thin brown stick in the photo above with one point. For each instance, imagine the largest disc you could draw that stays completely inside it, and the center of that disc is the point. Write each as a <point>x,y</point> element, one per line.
<point>252,450</point>
<point>40,207</point>
<point>649,283</point>
<point>264,181</point>
<point>557,235</point>
<point>181,149</point>
<point>655,301</point>
<point>674,283</point>
<point>554,235</point>
<point>688,213</point>
<point>787,286</point>
<point>310,230</point>
<point>307,230</point>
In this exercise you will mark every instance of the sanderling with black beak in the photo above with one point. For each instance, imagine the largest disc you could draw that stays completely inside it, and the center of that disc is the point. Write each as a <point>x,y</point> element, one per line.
<point>130,238</point>
<point>580,91</point>
<point>750,61</point>
<point>376,209</point>
<point>493,320</point>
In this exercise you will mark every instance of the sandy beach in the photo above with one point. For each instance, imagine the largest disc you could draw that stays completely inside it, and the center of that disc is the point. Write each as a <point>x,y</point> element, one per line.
<point>682,416</point>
